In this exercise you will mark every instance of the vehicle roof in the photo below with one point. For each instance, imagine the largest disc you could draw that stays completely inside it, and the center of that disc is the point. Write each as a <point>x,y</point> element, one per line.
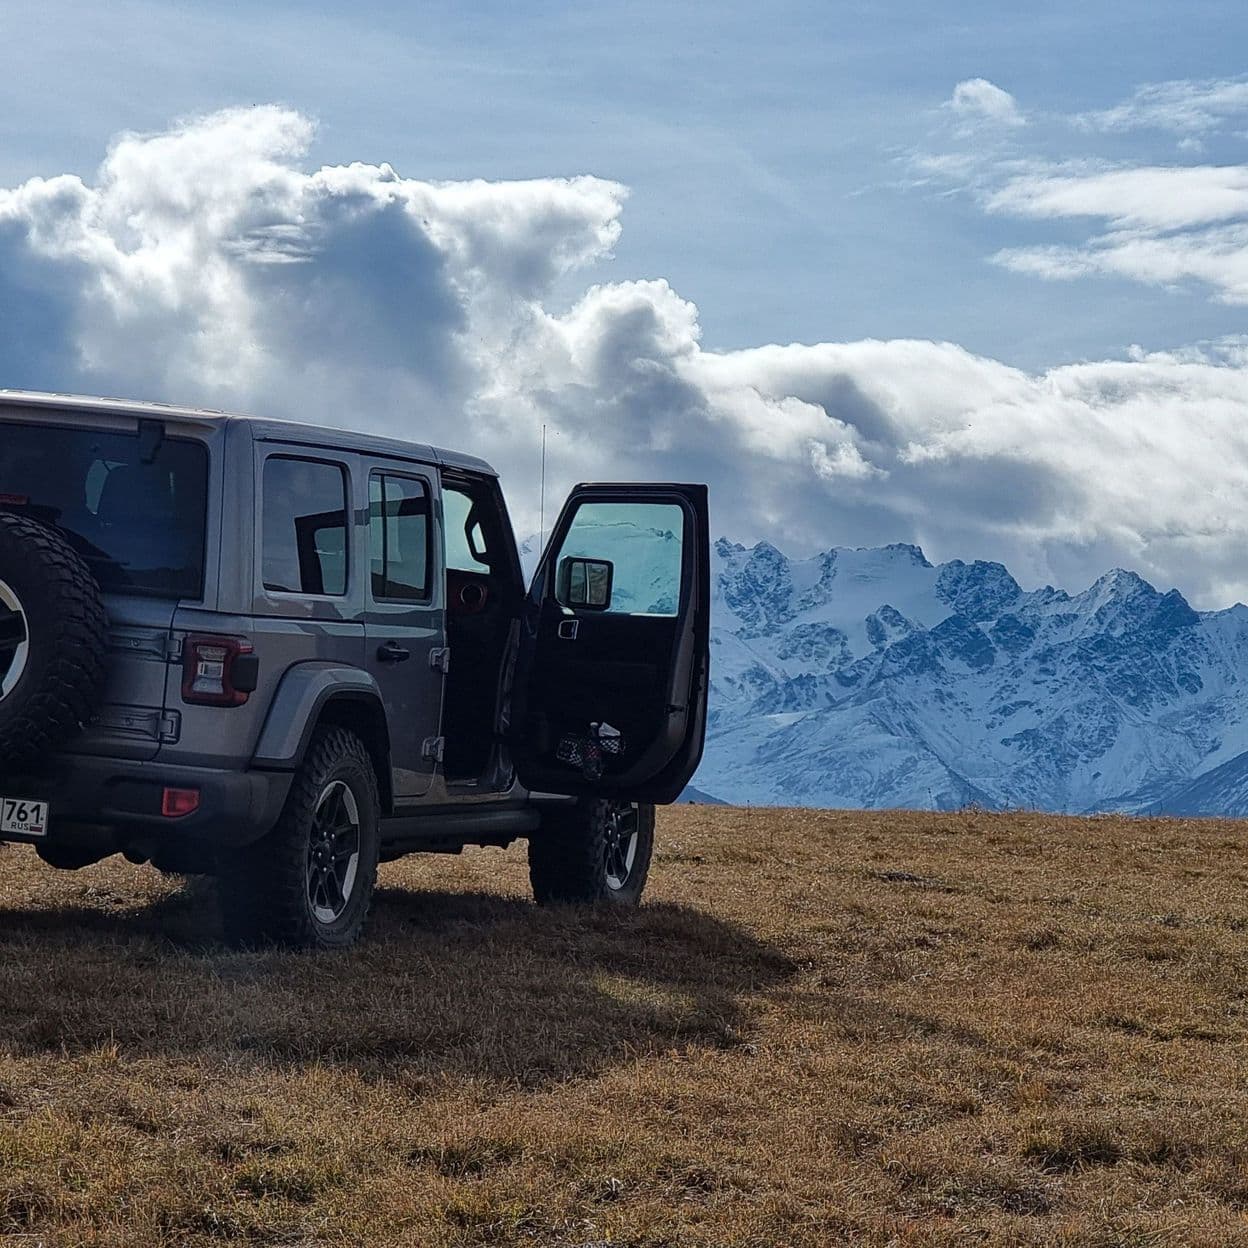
<point>324,435</point>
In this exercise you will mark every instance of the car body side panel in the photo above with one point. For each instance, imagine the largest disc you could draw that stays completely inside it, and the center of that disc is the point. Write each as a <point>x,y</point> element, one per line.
<point>235,544</point>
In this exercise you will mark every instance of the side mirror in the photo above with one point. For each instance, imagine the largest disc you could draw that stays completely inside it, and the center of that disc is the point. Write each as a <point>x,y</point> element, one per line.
<point>585,583</point>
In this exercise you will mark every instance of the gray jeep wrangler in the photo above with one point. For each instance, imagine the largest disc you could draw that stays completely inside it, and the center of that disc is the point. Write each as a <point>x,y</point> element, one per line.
<point>280,654</point>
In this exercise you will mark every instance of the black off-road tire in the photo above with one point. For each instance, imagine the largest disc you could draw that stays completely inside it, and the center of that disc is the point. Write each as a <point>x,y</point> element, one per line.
<point>570,855</point>
<point>60,613</point>
<point>264,889</point>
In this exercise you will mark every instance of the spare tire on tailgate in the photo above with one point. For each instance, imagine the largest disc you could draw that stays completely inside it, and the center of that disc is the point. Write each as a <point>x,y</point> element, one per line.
<point>52,639</point>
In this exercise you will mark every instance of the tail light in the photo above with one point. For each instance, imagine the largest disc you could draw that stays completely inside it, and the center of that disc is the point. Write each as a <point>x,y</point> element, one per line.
<point>175,803</point>
<point>218,671</point>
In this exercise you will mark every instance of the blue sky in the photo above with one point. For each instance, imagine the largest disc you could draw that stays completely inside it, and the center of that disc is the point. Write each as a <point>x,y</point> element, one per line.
<point>790,173</point>
<point>764,145</point>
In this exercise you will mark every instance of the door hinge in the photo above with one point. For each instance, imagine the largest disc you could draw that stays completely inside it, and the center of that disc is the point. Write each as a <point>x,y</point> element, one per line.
<point>433,749</point>
<point>440,659</point>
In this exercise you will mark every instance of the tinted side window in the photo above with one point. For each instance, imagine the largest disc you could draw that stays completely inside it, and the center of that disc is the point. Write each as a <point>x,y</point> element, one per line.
<point>398,535</point>
<point>304,526</point>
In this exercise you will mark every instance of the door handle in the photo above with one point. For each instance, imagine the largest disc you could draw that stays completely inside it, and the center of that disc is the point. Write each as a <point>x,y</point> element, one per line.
<point>568,629</point>
<point>392,652</point>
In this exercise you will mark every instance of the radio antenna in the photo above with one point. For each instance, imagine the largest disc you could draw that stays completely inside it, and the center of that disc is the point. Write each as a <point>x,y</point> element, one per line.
<point>542,504</point>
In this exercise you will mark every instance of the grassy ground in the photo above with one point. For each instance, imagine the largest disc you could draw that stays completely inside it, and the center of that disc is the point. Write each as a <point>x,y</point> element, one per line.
<point>863,1028</point>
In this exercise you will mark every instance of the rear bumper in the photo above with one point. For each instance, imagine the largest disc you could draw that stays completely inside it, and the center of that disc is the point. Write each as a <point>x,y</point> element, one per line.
<point>92,798</point>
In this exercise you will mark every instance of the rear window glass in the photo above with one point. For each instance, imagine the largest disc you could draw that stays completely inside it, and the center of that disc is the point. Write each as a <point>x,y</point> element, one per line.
<point>139,525</point>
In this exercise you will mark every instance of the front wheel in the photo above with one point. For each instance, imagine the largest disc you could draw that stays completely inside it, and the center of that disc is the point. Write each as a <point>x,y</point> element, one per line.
<point>593,851</point>
<point>309,882</point>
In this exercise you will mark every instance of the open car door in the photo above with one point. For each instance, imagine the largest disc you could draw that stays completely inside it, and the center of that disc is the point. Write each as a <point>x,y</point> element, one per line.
<point>612,675</point>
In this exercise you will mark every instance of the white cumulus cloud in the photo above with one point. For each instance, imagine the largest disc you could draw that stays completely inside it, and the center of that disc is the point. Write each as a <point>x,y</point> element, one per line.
<point>978,100</point>
<point>206,265</point>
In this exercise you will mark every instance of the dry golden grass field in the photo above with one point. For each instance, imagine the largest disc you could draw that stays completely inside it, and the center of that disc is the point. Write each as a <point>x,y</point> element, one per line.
<point>823,1028</point>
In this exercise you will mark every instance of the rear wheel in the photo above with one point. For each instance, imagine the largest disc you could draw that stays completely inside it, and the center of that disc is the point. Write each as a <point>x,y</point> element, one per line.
<point>593,851</point>
<point>309,883</point>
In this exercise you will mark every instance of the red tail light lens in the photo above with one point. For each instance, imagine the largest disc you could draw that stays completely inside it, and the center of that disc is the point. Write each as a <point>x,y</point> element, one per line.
<point>174,803</point>
<point>218,671</point>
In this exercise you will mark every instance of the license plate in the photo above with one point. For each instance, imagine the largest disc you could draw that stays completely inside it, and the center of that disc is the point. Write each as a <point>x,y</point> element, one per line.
<point>20,817</point>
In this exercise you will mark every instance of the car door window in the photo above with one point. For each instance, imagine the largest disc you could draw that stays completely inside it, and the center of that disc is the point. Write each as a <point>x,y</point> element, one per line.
<point>644,542</point>
<point>304,526</point>
<point>398,531</point>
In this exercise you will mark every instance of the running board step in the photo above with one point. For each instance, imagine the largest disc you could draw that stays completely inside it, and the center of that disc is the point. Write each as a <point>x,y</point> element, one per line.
<point>468,827</point>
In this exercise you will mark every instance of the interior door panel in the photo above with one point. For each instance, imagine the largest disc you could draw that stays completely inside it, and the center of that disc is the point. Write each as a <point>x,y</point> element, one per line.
<point>639,665</point>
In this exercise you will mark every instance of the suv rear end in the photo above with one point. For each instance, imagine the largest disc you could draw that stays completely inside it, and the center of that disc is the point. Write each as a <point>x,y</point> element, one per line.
<point>137,492</point>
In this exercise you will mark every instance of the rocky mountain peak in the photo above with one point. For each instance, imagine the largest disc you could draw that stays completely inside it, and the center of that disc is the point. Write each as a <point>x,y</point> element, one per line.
<point>979,590</point>
<point>904,551</point>
<point>1122,601</point>
<point>755,585</point>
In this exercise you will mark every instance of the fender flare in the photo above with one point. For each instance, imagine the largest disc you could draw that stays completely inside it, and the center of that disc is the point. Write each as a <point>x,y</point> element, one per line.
<point>302,694</point>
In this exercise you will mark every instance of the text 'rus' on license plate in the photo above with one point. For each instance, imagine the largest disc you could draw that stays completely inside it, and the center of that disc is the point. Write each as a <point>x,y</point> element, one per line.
<point>20,817</point>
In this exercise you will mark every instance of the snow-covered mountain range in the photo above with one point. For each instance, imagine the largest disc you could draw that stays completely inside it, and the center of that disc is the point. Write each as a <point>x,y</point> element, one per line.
<point>875,678</point>
<point>871,678</point>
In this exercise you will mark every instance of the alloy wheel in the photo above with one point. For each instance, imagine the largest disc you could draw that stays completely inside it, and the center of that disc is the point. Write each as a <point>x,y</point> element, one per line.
<point>620,843</point>
<point>333,852</point>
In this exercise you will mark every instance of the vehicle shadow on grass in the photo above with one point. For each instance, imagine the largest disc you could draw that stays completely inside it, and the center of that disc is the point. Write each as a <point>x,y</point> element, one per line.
<point>460,983</point>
